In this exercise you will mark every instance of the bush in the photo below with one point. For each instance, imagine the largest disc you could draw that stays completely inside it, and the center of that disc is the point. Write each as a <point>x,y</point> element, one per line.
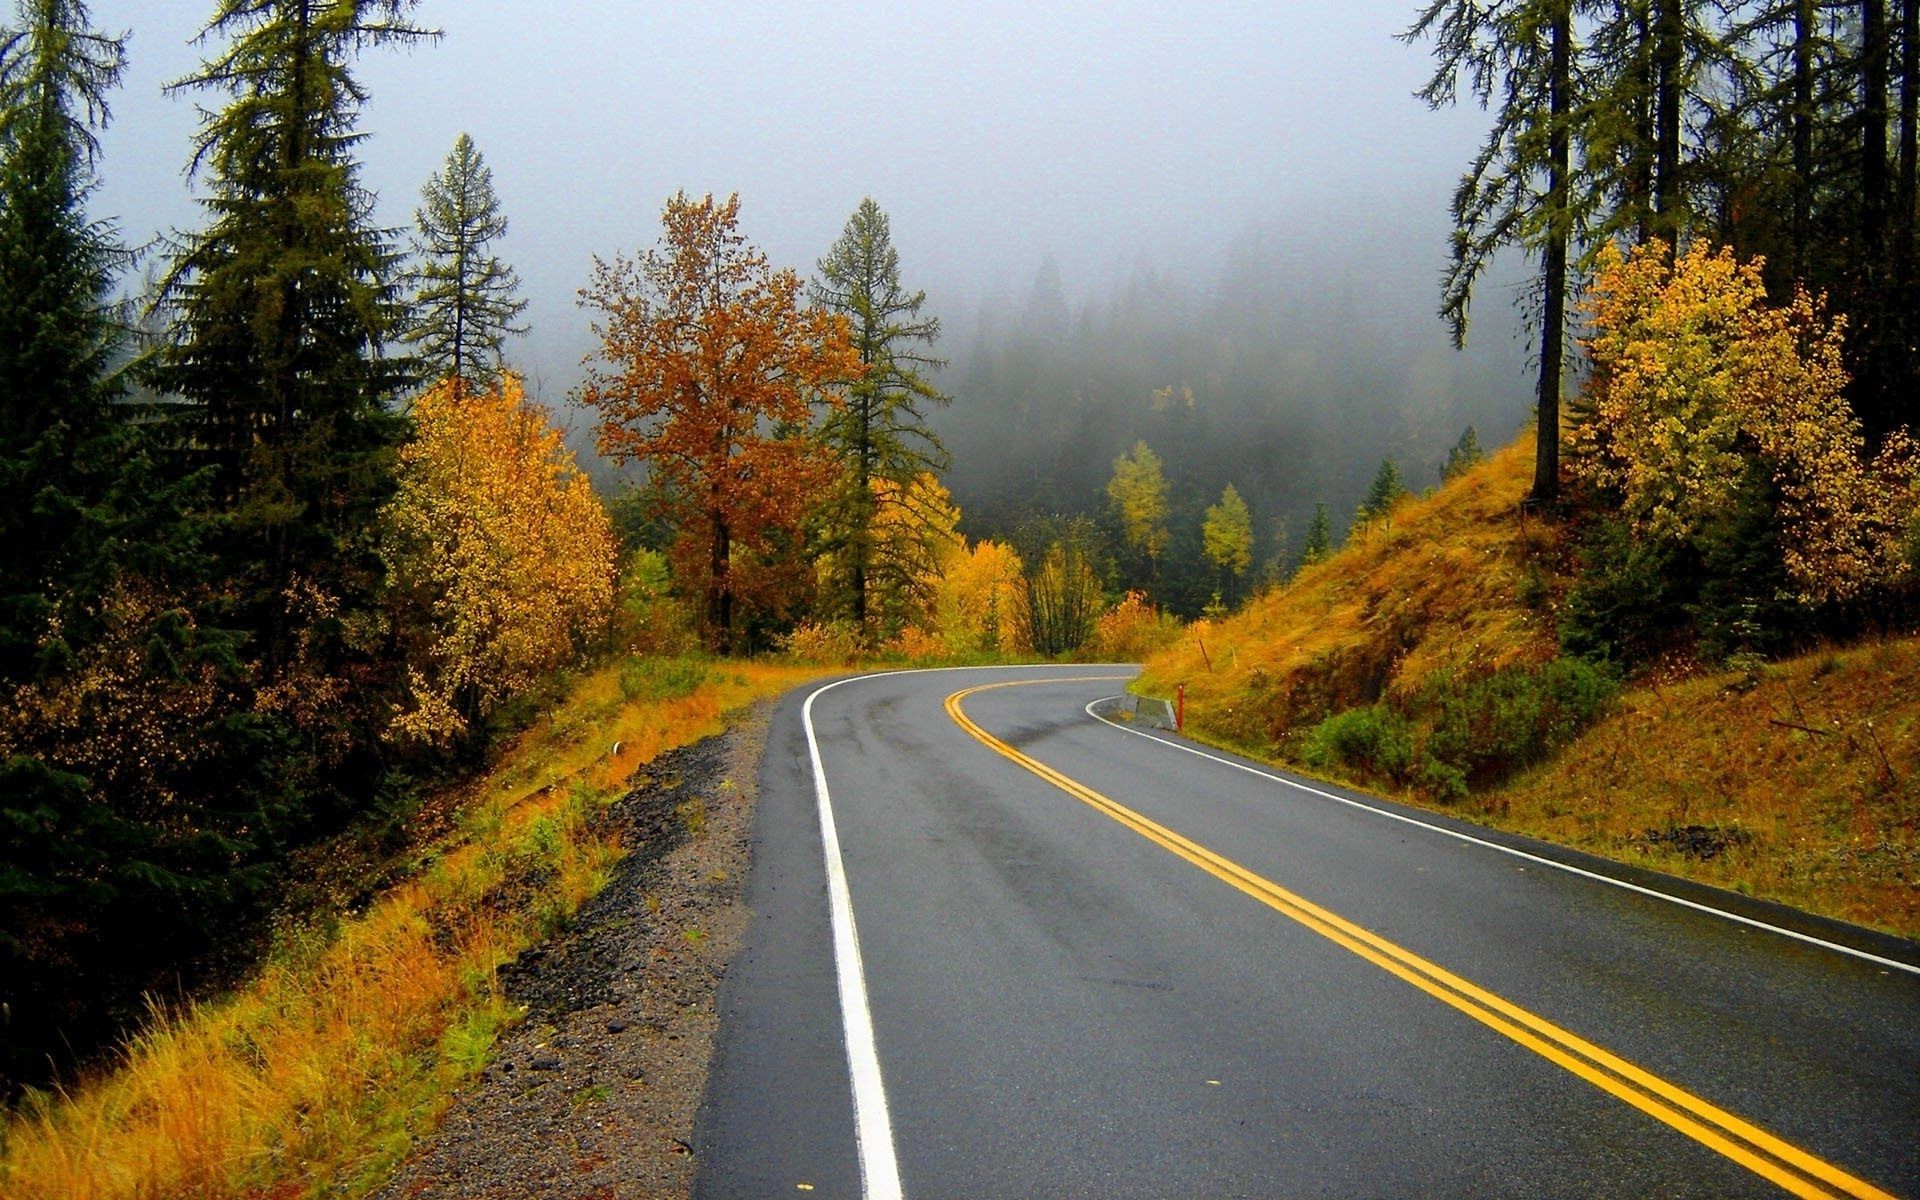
<point>914,644</point>
<point>832,642</point>
<point>1132,630</point>
<point>1374,740</point>
<point>1621,608</point>
<point>661,678</point>
<point>647,617</point>
<point>1492,726</point>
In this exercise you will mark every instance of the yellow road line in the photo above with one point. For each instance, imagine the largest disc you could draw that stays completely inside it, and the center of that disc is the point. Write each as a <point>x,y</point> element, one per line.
<point>1790,1167</point>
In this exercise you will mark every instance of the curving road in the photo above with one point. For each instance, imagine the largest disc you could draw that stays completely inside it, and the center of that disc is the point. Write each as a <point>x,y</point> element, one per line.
<point>1084,961</point>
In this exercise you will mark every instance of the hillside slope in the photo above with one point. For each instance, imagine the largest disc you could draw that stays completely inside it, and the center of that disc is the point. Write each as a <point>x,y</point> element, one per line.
<point>1797,781</point>
<point>1437,589</point>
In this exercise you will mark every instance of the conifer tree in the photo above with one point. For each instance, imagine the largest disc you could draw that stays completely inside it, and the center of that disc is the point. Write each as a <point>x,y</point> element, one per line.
<point>467,299</point>
<point>62,444</point>
<point>880,434</point>
<point>284,304</point>
<point>1385,490</point>
<point>1517,60</point>
<point>1462,457</point>
<point>101,696</point>
<point>1319,543</point>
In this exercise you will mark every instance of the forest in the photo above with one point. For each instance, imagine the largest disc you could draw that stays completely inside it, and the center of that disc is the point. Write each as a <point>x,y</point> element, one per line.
<point>287,543</point>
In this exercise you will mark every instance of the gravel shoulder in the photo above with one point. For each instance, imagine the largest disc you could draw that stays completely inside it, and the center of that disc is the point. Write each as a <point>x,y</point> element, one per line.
<point>593,1095</point>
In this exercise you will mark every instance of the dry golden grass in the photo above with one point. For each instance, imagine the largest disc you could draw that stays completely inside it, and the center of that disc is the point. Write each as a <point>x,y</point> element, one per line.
<point>312,1077</point>
<point>1828,821</point>
<point>1825,821</point>
<point>1437,588</point>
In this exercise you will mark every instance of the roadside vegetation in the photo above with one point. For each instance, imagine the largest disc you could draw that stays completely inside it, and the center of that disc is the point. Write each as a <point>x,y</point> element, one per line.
<point>316,1074</point>
<point>1429,659</point>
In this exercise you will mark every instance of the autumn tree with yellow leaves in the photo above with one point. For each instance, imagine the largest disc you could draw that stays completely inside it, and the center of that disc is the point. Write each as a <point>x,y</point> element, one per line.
<point>709,370</point>
<point>500,557</point>
<point>1700,387</point>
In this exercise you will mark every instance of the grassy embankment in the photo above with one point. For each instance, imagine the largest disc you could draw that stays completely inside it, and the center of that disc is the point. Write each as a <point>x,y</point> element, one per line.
<point>1797,781</point>
<point>353,1035</point>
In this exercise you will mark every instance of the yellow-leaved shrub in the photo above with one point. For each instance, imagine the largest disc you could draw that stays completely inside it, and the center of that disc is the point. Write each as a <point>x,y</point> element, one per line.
<point>1696,376</point>
<point>500,557</point>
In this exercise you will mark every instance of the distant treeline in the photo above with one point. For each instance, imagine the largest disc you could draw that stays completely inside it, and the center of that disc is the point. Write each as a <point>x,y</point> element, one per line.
<point>1312,356</point>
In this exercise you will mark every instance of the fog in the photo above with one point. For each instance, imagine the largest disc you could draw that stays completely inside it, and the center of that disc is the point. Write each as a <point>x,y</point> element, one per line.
<point>1264,151</point>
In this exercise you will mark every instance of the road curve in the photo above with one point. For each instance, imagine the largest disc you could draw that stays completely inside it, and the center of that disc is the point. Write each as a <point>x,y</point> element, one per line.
<point>1067,995</point>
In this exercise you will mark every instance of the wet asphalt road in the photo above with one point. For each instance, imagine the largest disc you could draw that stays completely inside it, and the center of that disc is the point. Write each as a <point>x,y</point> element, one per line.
<point>1061,1006</point>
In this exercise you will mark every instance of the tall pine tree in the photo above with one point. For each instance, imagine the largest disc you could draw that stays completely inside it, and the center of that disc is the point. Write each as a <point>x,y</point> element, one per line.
<point>106,849</point>
<point>1517,60</point>
<point>283,305</point>
<point>63,445</point>
<point>881,434</point>
<point>467,298</point>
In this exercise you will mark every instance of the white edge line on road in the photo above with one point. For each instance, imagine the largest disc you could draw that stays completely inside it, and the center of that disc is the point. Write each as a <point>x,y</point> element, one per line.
<point>872,1127</point>
<point>1876,959</point>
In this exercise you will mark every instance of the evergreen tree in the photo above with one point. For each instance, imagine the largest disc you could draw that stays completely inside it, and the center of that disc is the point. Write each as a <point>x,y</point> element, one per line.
<point>1465,453</point>
<point>1319,543</point>
<point>63,445</point>
<point>880,435</point>
<point>1517,59</point>
<point>283,306</point>
<point>467,299</point>
<point>1385,491</point>
<point>107,851</point>
<point>1226,536</point>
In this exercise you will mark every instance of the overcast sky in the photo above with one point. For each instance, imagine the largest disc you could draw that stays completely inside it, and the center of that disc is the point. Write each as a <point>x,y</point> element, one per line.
<point>994,133</point>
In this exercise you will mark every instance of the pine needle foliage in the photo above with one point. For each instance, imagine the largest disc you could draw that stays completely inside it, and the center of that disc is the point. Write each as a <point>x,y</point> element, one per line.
<point>1462,457</point>
<point>283,305</point>
<point>63,445</point>
<point>1319,543</point>
<point>466,299</point>
<point>880,433</point>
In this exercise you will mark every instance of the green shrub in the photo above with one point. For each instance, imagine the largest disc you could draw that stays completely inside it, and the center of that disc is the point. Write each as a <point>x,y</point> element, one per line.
<point>1489,727</point>
<point>1622,607</point>
<point>661,678</point>
<point>1375,740</point>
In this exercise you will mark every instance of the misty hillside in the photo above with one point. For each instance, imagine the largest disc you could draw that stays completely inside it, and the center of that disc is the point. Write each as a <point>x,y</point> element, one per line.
<point>1308,360</point>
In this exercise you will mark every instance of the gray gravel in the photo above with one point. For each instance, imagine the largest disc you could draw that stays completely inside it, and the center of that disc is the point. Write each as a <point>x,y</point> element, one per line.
<point>593,1094</point>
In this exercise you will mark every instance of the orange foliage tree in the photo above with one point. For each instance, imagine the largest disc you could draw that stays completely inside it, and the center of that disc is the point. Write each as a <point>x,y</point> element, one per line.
<point>500,557</point>
<point>1696,376</point>
<point>709,370</point>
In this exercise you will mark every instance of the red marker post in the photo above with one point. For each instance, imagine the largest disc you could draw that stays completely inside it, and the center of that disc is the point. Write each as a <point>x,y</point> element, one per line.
<point>1179,707</point>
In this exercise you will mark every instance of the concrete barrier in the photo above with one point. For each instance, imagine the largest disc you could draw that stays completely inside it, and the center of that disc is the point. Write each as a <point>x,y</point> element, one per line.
<point>1146,710</point>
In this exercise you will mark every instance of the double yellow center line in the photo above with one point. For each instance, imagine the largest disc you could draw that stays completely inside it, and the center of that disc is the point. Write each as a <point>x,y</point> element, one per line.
<point>1792,1168</point>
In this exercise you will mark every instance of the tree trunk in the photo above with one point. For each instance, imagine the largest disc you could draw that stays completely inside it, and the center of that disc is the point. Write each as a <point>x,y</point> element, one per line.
<point>862,541</point>
<point>1906,192</point>
<point>1803,117</point>
<point>719,586</point>
<point>1641,175</point>
<point>1872,310</point>
<point>1668,50</point>
<point>1546,463</point>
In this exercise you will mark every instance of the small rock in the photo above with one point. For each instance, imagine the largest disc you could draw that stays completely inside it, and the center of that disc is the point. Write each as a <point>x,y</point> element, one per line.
<point>616,1026</point>
<point>544,1064</point>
